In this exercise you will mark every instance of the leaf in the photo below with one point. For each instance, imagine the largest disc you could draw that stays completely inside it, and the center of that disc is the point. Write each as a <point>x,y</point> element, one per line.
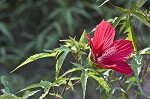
<point>27,94</point>
<point>123,10</point>
<point>56,95</point>
<point>78,65</point>
<point>35,57</point>
<point>42,84</point>
<point>116,22</point>
<point>141,18</point>
<point>103,3</point>
<point>70,71</point>
<point>138,5</point>
<point>84,76</point>
<point>131,34</point>
<point>145,51</point>
<point>10,97</point>
<point>100,80</point>
<point>136,67</point>
<point>60,62</point>
<point>83,37</point>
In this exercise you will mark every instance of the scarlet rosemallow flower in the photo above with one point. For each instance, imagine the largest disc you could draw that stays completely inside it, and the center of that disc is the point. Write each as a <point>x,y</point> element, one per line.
<point>107,53</point>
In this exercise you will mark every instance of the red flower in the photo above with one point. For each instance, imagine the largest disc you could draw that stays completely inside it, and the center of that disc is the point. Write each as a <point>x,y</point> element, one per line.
<point>107,53</point>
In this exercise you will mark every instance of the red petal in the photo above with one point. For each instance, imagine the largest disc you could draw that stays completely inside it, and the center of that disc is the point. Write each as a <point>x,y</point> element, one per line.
<point>122,50</point>
<point>91,46</point>
<point>103,37</point>
<point>119,66</point>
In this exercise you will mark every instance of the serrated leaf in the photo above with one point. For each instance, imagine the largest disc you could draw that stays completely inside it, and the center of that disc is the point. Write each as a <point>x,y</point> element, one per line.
<point>145,51</point>
<point>123,10</point>
<point>100,80</point>
<point>76,64</point>
<point>56,95</point>
<point>131,34</point>
<point>83,37</point>
<point>35,57</point>
<point>138,5</point>
<point>84,76</point>
<point>60,62</point>
<point>70,71</point>
<point>27,94</point>
<point>136,67</point>
<point>116,22</point>
<point>141,18</point>
<point>42,84</point>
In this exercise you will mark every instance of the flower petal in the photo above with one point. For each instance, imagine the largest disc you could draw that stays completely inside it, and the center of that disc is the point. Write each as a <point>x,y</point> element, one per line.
<point>93,54</point>
<point>119,66</point>
<point>103,37</point>
<point>122,50</point>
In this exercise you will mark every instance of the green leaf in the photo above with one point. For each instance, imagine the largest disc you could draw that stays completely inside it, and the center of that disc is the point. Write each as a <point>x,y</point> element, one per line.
<point>60,62</point>
<point>42,84</point>
<point>116,22</point>
<point>83,37</point>
<point>104,3</point>
<point>27,94</point>
<point>138,5</point>
<point>141,18</point>
<point>56,95</point>
<point>70,71</point>
<point>136,67</point>
<point>123,10</point>
<point>100,80</point>
<point>35,57</point>
<point>84,76</point>
<point>131,34</point>
<point>10,97</point>
<point>145,51</point>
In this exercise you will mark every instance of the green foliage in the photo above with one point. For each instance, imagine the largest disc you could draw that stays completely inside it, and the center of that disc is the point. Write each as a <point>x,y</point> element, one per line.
<point>84,77</point>
<point>63,19</point>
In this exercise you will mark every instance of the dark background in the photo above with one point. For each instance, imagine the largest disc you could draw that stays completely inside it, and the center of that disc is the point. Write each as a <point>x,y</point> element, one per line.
<point>28,27</point>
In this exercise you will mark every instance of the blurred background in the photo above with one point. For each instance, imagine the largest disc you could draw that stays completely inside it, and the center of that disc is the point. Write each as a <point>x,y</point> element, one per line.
<point>28,27</point>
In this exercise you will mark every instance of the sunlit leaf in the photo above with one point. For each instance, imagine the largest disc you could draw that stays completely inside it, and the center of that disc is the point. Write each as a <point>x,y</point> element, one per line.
<point>10,97</point>
<point>60,62</point>
<point>103,3</point>
<point>123,10</point>
<point>138,5</point>
<point>116,22</point>
<point>83,37</point>
<point>84,77</point>
<point>145,51</point>
<point>56,95</point>
<point>35,57</point>
<point>100,80</point>
<point>131,34</point>
<point>27,94</point>
<point>70,71</point>
<point>141,18</point>
<point>136,67</point>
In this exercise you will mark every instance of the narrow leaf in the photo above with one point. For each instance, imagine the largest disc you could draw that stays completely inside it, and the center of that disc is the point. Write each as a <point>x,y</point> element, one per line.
<point>101,81</point>
<point>33,58</point>
<point>27,94</point>
<point>131,34</point>
<point>116,22</point>
<point>60,62</point>
<point>104,3</point>
<point>84,77</point>
<point>136,67</point>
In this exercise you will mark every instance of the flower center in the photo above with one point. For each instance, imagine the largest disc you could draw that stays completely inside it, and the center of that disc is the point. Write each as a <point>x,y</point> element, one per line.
<point>107,54</point>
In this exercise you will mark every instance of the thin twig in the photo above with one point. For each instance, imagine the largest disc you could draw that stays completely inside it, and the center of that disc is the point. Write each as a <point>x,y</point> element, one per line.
<point>73,84</point>
<point>64,89</point>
